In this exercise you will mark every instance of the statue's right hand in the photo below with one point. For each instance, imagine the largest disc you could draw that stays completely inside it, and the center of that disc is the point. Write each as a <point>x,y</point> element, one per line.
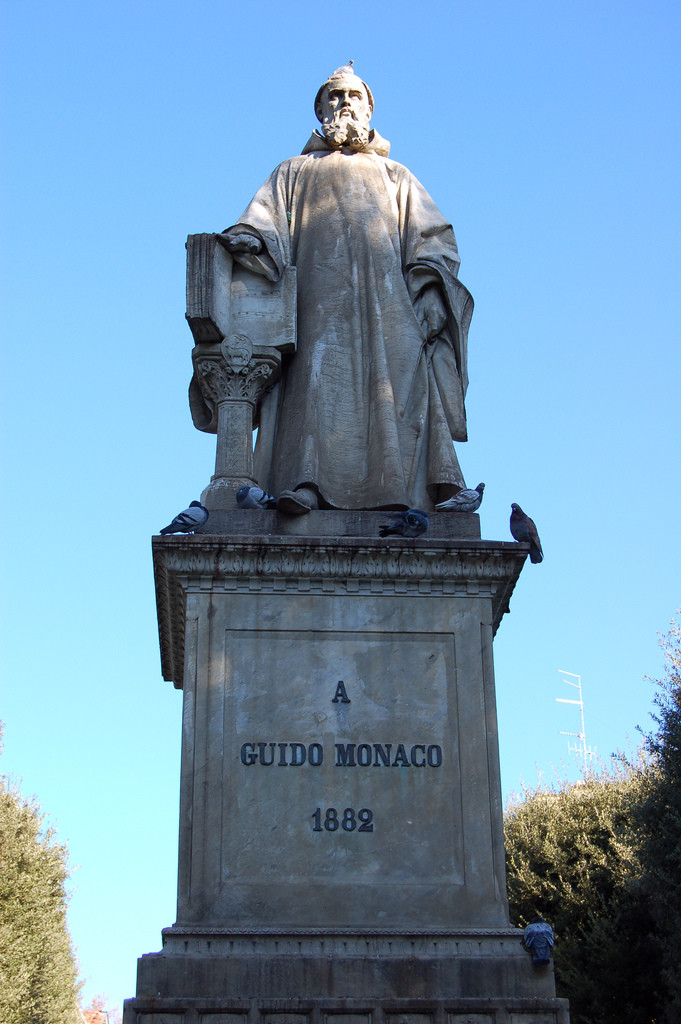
<point>241,243</point>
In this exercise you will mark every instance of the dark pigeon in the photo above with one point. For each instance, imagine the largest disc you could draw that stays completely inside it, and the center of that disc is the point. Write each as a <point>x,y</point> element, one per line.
<point>524,530</point>
<point>254,497</point>
<point>465,500</point>
<point>188,521</point>
<point>538,938</point>
<point>412,523</point>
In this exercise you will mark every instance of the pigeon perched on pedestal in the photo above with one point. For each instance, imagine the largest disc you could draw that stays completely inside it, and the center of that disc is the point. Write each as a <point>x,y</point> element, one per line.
<point>254,497</point>
<point>412,523</point>
<point>538,938</point>
<point>523,529</point>
<point>188,521</point>
<point>465,500</point>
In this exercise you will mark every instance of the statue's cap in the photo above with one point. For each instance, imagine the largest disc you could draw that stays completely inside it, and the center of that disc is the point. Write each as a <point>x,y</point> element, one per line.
<point>342,74</point>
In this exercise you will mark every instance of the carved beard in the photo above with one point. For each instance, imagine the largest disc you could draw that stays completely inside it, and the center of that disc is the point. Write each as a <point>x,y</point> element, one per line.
<point>344,130</point>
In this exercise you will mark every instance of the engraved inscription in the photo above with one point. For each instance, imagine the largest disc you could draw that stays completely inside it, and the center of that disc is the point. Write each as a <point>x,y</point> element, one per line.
<point>347,755</point>
<point>348,820</point>
<point>327,779</point>
<point>283,755</point>
<point>340,696</point>
<point>388,755</point>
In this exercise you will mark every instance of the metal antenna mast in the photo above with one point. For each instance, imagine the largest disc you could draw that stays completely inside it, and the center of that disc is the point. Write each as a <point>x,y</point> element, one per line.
<point>581,749</point>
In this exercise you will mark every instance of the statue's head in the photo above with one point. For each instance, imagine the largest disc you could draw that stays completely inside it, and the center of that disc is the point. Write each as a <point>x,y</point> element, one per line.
<point>344,105</point>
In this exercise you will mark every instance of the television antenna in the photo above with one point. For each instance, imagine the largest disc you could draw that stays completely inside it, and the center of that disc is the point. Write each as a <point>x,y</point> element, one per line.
<point>584,753</point>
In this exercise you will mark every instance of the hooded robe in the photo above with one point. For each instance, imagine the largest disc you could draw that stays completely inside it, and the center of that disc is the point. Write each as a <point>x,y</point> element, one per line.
<point>366,408</point>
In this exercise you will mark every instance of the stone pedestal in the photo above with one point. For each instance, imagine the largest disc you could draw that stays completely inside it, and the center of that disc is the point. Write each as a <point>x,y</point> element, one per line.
<point>341,849</point>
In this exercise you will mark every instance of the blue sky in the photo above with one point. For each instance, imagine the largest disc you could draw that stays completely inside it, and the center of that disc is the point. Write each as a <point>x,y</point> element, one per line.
<point>549,133</point>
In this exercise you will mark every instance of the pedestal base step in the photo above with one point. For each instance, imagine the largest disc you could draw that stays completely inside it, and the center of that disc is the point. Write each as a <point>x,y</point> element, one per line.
<point>346,1011</point>
<point>216,976</point>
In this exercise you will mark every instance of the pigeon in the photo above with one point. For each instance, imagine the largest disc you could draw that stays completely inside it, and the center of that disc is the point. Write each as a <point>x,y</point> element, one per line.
<point>187,521</point>
<point>254,497</point>
<point>538,939</point>
<point>408,524</point>
<point>345,69</point>
<point>523,529</point>
<point>465,500</point>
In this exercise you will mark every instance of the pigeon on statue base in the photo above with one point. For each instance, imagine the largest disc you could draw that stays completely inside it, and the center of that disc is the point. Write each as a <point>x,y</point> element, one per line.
<point>524,530</point>
<point>254,497</point>
<point>189,520</point>
<point>466,500</point>
<point>412,523</point>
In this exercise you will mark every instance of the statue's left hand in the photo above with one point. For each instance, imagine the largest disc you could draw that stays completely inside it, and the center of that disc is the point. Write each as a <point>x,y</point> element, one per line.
<point>241,243</point>
<point>431,311</point>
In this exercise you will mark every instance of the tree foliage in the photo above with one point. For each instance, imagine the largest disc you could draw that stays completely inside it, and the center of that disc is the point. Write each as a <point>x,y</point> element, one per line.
<point>573,856</point>
<point>38,974</point>
<point>660,824</point>
<point>601,860</point>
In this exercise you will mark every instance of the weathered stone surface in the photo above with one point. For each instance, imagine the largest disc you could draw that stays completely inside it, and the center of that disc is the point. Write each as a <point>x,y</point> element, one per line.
<point>224,300</point>
<point>340,750</point>
<point>384,965</point>
<point>242,323</point>
<point>368,405</point>
<point>456,1010</point>
<point>335,523</point>
<point>273,562</point>
<point>332,682</point>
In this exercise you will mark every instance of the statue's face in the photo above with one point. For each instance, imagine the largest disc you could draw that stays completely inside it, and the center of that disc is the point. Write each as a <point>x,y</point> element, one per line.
<point>345,98</point>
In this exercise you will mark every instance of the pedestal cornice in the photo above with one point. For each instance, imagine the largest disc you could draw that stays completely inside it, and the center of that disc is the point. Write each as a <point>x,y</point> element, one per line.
<point>445,566</point>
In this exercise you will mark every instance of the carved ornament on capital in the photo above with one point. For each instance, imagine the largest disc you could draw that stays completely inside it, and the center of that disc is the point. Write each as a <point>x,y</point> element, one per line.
<point>234,371</point>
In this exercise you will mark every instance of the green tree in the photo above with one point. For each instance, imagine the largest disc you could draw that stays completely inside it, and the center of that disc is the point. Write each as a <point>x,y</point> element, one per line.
<point>38,973</point>
<point>574,856</point>
<point>660,825</point>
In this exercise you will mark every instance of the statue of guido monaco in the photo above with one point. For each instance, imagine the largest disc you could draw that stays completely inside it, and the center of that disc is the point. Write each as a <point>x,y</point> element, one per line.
<point>367,408</point>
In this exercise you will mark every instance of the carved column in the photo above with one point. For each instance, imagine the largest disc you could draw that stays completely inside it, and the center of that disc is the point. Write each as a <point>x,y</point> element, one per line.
<point>233,377</point>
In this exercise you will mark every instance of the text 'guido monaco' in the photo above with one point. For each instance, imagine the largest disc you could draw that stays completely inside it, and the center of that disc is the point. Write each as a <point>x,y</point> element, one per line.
<point>347,755</point>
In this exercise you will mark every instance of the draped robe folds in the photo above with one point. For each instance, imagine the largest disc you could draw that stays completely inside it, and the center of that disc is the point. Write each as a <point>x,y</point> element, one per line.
<point>366,409</point>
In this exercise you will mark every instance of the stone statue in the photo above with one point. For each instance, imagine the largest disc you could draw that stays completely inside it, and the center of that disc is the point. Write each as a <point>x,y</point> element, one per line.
<point>365,410</point>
